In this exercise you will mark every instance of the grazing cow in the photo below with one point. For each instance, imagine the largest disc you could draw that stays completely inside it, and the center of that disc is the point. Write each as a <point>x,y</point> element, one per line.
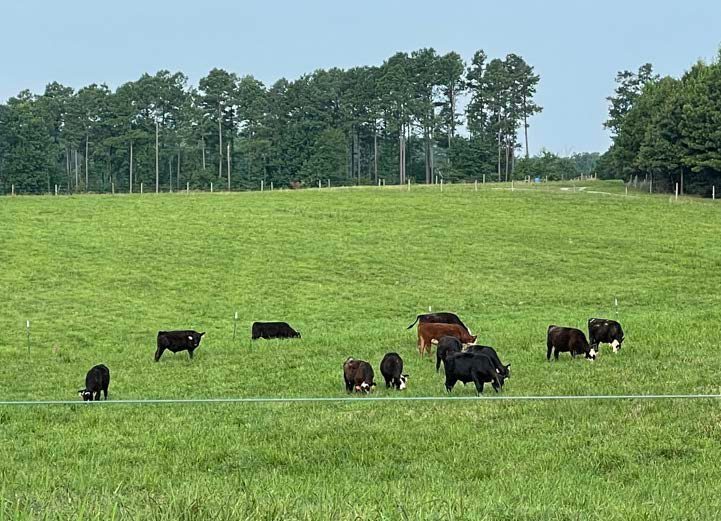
<point>472,367</point>
<point>429,331</point>
<point>605,331</point>
<point>568,339</point>
<point>176,341</point>
<point>504,370</point>
<point>270,330</point>
<point>446,346</point>
<point>358,376</point>
<point>392,371</point>
<point>440,318</point>
<point>97,379</point>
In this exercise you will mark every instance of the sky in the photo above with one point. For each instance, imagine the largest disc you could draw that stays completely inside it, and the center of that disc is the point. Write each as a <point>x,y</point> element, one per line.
<point>577,47</point>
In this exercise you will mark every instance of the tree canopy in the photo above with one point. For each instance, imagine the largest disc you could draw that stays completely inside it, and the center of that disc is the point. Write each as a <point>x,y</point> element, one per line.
<point>402,119</point>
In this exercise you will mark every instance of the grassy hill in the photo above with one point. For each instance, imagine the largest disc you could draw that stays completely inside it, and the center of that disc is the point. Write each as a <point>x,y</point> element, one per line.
<point>98,276</point>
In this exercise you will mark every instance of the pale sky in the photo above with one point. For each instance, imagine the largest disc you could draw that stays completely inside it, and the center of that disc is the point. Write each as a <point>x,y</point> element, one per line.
<point>576,46</point>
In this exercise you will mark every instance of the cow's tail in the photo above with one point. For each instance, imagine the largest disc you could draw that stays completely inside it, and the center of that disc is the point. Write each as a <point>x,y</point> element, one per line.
<point>414,322</point>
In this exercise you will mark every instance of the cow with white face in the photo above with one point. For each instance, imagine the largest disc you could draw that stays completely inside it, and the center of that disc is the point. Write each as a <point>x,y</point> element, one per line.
<point>358,376</point>
<point>392,371</point>
<point>605,331</point>
<point>568,340</point>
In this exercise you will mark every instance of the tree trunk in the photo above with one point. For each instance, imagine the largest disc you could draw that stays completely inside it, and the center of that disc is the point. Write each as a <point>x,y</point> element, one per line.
<point>452,122</point>
<point>229,167</point>
<point>508,153</point>
<point>426,157</point>
<point>86,161</point>
<point>499,148</point>
<point>525,122</point>
<point>157,158</point>
<point>170,174</point>
<point>220,143</point>
<point>177,177</point>
<point>202,141</point>
<point>375,155</point>
<point>77,180</point>
<point>131,168</point>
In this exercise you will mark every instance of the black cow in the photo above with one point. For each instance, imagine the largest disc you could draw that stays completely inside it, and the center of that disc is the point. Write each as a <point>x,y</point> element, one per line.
<point>97,379</point>
<point>270,330</point>
<point>605,331</point>
<point>568,339</point>
<point>358,376</point>
<point>392,371</point>
<point>472,367</point>
<point>176,341</point>
<point>505,370</point>
<point>446,346</point>
<point>440,318</point>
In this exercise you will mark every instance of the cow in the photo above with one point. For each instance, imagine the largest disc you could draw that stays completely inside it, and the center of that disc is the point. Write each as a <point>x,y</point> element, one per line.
<point>443,317</point>
<point>176,341</point>
<point>270,330</point>
<point>472,367</point>
<point>446,346</point>
<point>429,331</point>
<point>504,370</point>
<point>358,376</point>
<point>97,379</point>
<point>392,371</point>
<point>568,339</point>
<point>605,331</point>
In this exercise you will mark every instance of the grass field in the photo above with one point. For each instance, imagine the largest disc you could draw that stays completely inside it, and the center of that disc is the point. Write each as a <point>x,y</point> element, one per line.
<point>98,276</point>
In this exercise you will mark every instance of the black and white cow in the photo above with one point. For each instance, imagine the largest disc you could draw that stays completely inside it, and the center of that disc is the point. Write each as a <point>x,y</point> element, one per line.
<point>270,330</point>
<point>472,367</point>
<point>568,339</point>
<point>358,376</point>
<point>392,371</point>
<point>443,317</point>
<point>97,379</point>
<point>446,346</point>
<point>504,370</point>
<point>605,331</point>
<point>176,341</point>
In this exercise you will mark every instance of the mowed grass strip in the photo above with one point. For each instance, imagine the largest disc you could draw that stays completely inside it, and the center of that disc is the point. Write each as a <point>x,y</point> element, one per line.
<point>98,276</point>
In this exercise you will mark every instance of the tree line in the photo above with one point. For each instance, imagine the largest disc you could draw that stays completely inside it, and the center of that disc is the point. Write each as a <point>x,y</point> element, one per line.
<point>397,121</point>
<point>666,130</point>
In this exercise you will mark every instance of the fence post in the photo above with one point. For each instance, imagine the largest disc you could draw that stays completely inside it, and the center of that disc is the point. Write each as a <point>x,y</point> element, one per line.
<point>511,185</point>
<point>112,188</point>
<point>271,186</point>
<point>235,324</point>
<point>441,184</point>
<point>328,183</point>
<point>677,191</point>
<point>12,189</point>
<point>713,193</point>
<point>409,185</point>
<point>56,189</point>
<point>484,178</point>
<point>475,185</point>
<point>626,190</point>
<point>261,185</point>
<point>211,187</point>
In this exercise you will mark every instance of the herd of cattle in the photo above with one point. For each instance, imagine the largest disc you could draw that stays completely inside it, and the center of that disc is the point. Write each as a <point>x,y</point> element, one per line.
<point>463,360</point>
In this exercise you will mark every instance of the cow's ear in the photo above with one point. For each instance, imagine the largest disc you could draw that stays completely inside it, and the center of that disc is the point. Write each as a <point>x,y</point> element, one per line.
<point>406,376</point>
<point>201,334</point>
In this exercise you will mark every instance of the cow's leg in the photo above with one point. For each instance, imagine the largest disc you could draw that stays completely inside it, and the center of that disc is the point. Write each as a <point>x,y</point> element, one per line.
<point>478,382</point>
<point>450,382</point>
<point>159,353</point>
<point>550,350</point>
<point>421,345</point>
<point>388,383</point>
<point>105,392</point>
<point>97,396</point>
<point>190,354</point>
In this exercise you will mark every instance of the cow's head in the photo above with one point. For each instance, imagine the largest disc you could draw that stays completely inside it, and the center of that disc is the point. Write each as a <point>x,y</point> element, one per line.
<point>403,382</point>
<point>616,345</point>
<point>366,387</point>
<point>195,338</point>
<point>506,371</point>
<point>592,352</point>
<point>85,394</point>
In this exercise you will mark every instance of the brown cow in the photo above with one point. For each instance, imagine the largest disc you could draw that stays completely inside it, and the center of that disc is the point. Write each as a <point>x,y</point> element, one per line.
<point>428,332</point>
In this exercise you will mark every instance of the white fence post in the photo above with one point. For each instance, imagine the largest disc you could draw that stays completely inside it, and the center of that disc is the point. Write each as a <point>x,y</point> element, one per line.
<point>475,185</point>
<point>141,188</point>
<point>56,189</point>
<point>261,185</point>
<point>328,183</point>
<point>271,186</point>
<point>12,189</point>
<point>676,191</point>
<point>713,193</point>
<point>441,184</point>
<point>318,184</point>
<point>211,187</point>
<point>187,187</point>
<point>484,178</point>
